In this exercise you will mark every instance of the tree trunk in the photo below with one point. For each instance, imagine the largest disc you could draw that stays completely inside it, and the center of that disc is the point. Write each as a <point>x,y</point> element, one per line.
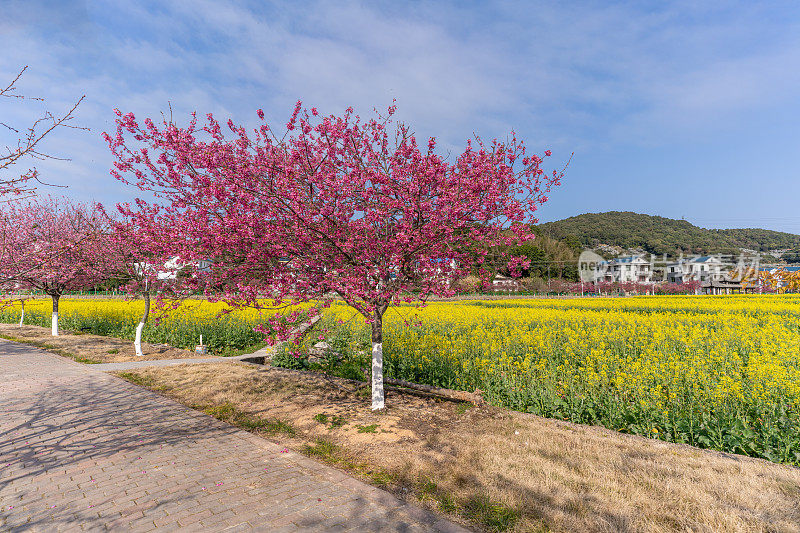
<point>54,322</point>
<point>377,361</point>
<point>137,344</point>
<point>22,314</point>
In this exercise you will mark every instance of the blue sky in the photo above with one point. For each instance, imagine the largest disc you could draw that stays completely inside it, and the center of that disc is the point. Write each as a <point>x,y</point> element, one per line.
<point>681,109</point>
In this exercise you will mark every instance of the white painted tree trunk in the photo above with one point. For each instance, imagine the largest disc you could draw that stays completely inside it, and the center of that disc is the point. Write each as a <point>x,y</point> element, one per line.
<point>22,314</point>
<point>378,395</point>
<point>137,344</point>
<point>377,376</point>
<point>54,321</point>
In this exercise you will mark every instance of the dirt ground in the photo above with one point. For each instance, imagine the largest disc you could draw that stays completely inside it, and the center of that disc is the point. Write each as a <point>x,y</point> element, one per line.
<point>491,468</point>
<point>91,348</point>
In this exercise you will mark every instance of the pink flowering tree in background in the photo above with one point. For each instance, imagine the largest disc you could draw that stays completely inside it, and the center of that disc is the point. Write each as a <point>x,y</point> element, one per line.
<point>142,261</point>
<point>53,245</point>
<point>22,143</point>
<point>331,205</point>
<point>139,271</point>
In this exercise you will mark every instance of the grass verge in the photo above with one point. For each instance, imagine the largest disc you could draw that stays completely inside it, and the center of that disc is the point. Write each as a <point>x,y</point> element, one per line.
<point>89,348</point>
<point>51,348</point>
<point>227,412</point>
<point>493,469</point>
<point>137,379</point>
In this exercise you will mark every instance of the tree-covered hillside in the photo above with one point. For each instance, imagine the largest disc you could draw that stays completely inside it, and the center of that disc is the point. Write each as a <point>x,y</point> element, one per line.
<point>661,235</point>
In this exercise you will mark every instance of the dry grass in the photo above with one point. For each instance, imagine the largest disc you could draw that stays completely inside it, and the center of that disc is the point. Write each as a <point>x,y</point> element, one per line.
<point>493,468</point>
<point>90,348</point>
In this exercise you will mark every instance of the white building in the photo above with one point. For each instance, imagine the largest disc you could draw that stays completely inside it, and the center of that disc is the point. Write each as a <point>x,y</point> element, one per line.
<point>633,268</point>
<point>171,267</point>
<point>704,268</point>
<point>504,283</point>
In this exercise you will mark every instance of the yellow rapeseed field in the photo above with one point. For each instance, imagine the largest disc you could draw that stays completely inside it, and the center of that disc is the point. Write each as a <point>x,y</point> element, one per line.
<point>721,372</point>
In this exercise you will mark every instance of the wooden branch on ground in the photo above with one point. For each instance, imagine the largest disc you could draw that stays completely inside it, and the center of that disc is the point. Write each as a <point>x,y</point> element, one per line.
<point>472,397</point>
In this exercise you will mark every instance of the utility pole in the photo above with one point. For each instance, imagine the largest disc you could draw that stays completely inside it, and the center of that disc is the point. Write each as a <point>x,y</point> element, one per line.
<point>548,277</point>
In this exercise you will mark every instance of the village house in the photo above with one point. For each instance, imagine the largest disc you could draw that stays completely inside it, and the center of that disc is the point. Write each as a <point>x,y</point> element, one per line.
<point>505,283</point>
<point>633,268</point>
<point>703,269</point>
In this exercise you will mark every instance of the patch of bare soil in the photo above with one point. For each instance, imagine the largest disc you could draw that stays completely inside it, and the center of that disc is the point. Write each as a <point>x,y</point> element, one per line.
<point>91,348</point>
<point>492,468</point>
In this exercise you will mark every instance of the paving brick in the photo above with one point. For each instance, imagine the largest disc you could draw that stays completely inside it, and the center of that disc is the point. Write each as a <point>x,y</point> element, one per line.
<point>83,450</point>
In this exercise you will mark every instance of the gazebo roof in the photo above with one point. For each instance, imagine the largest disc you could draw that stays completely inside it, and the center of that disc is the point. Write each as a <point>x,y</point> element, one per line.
<point>721,284</point>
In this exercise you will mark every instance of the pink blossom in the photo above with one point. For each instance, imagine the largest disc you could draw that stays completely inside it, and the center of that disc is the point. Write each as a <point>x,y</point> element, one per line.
<point>337,206</point>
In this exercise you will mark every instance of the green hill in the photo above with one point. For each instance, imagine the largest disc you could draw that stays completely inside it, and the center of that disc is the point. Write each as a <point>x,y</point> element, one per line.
<point>661,235</point>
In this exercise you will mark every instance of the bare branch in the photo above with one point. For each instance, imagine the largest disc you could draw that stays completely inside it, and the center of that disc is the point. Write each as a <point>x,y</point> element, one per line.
<point>26,144</point>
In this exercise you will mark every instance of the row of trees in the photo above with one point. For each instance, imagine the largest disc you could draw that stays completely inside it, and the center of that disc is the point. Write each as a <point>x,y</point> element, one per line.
<point>546,258</point>
<point>327,206</point>
<point>54,246</point>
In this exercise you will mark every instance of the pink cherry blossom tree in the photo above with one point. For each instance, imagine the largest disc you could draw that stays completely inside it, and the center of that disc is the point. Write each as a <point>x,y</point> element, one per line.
<point>53,245</point>
<point>331,205</point>
<point>142,261</point>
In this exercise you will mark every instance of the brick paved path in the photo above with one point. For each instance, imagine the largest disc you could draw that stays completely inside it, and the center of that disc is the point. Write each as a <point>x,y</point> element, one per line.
<point>80,449</point>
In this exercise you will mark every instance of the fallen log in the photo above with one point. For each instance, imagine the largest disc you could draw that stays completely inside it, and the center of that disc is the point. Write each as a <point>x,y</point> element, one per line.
<point>464,396</point>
